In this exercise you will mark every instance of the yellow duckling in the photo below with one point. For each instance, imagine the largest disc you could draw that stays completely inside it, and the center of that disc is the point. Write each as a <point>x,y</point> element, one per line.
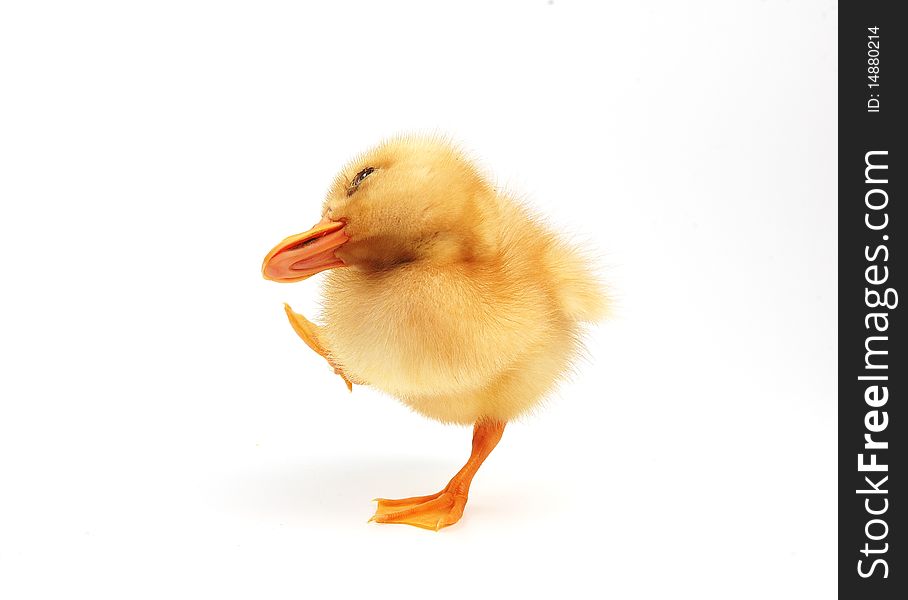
<point>452,297</point>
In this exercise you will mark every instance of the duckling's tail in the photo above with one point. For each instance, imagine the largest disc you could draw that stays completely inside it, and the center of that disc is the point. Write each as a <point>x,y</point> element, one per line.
<point>578,288</point>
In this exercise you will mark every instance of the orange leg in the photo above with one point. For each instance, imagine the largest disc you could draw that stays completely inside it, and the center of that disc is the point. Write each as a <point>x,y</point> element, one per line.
<point>308,332</point>
<point>446,507</point>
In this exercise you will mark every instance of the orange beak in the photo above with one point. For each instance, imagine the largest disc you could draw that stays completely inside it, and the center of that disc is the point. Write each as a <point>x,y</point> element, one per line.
<point>305,254</point>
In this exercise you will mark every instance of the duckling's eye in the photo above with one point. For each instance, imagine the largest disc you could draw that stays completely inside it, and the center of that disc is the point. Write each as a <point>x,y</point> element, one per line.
<point>359,179</point>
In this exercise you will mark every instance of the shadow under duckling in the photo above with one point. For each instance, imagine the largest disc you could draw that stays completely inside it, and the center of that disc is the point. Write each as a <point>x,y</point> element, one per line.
<point>442,292</point>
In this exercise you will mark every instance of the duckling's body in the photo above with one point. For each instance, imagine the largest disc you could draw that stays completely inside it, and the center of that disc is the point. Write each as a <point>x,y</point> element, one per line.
<point>487,338</point>
<point>455,299</point>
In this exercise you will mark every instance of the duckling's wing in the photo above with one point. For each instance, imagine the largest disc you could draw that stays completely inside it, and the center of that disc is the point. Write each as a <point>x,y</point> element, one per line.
<point>308,332</point>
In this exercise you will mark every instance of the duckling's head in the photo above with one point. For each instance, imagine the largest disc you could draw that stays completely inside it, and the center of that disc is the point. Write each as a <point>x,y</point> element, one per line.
<point>408,199</point>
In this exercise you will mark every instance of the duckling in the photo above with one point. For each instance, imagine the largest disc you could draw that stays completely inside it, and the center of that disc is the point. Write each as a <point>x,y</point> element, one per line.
<point>442,292</point>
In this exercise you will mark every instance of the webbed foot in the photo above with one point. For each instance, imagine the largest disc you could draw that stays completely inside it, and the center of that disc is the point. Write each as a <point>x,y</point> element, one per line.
<point>428,512</point>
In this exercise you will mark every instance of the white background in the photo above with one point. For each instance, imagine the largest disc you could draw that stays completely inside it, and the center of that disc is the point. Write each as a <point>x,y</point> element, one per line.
<point>163,433</point>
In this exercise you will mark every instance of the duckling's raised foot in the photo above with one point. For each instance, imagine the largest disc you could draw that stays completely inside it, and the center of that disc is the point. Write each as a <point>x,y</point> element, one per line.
<point>445,507</point>
<point>428,512</point>
<point>308,332</point>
